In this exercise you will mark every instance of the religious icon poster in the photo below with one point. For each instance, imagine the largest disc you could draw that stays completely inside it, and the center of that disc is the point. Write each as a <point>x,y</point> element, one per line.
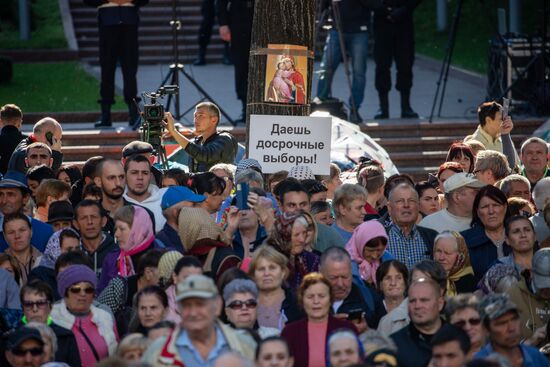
<point>286,74</point>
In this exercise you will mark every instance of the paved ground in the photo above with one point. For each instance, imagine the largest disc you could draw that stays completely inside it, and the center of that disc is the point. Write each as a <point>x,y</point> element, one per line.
<point>464,91</point>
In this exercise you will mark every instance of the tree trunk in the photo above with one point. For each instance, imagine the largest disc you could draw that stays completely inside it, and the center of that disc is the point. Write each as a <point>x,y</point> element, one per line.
<point>278,22</point>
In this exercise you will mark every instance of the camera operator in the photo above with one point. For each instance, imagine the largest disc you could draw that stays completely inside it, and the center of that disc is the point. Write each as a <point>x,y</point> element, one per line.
<point>209,146</point>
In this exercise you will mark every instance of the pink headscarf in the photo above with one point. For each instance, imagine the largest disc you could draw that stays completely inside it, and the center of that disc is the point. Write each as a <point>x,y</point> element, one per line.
<point>362,234</point>
<point>141,237</point>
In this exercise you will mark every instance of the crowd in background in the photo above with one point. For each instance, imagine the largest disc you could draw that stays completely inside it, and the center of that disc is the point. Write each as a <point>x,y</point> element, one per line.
<point>120,263</point>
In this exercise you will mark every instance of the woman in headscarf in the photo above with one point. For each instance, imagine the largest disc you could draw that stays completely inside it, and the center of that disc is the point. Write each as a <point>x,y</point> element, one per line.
<point>203,238</point>
<point>367,248</point>
<point>451,252</point>
<point>289,237</point>
<point>134,235</point>
<point>498,279</point>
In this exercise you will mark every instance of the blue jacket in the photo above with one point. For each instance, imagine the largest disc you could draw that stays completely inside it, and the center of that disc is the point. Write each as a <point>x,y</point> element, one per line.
<point>483,253</point>
<point>531,356</point>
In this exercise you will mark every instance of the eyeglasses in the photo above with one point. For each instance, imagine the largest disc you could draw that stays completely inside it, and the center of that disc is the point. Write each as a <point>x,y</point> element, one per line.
<point>77,290</point>
<point>237,305</point>
<point>35,352</point>
<point>38,304</point>
<point>462,323</point>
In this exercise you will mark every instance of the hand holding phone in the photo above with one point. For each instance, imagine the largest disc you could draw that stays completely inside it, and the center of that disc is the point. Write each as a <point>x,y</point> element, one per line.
<point>242,196</point>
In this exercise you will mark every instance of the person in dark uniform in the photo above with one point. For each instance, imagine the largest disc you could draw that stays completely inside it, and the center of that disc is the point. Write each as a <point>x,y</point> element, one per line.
<point>118,41</point>
<point>394,40</point>
<point>235,18</point>
<point>208,12</point>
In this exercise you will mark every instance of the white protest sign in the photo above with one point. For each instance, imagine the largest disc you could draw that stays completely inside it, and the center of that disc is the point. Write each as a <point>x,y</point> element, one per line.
<point>280,142</point>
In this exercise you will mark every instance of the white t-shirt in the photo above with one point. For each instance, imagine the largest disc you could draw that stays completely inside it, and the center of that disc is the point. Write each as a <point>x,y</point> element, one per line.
<point>443,220</point>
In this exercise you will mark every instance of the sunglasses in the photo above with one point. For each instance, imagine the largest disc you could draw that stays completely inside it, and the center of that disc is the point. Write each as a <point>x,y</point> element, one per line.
<point>35,352</point>
<point>38,304</point>
<point>462,323</point>
<point>78,290</point>
<point>237,305</point>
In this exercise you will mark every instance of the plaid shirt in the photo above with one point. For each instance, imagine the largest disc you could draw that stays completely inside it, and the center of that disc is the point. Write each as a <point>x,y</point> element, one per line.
<point>407,249</point>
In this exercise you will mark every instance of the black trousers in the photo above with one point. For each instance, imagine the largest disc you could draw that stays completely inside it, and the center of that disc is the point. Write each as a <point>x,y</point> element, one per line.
<point>394,42</point>
<point>208,12</point>
<point>118,43</point>
<point>240,50</point>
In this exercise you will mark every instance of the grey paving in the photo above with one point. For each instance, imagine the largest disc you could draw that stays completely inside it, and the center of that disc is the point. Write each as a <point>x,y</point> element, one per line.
<point>464,90</point>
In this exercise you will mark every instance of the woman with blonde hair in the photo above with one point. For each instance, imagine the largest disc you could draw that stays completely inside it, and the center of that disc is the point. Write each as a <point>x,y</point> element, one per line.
<point>451,252</point>
<point>276,302</point>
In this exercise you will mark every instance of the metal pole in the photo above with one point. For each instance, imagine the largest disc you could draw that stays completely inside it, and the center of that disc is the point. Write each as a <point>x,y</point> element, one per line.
<point>24,21</point>
<point>515,16</point>
<point>442,15</point>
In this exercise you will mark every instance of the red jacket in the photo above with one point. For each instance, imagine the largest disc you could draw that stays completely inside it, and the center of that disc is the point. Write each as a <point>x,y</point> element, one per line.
<point>295,334</point>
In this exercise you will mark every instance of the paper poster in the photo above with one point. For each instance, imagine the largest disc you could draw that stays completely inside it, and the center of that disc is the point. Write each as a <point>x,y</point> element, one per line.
<point>280,142</point>
<point>286,74</point>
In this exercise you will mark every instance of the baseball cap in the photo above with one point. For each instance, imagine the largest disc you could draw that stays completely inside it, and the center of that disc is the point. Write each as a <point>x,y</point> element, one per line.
<point>196,286</point>
<point>495,305</point>
<point>14,180</point>
<point>541,268</point>
<point>177,194</point>
<point>60,210</point>
<point>22,334</point>
<point>136,147</point>
<point>461,179</point>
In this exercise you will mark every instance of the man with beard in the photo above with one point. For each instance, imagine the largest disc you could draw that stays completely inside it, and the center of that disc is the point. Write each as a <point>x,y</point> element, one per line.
<point>140,189</point>
<point>110,178</point>
<point>413,341</point>
<point>89,221</point>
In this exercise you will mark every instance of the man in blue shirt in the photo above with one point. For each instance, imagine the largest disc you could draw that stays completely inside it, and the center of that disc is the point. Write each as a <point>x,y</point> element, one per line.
<point>502,323</point>
<point>200,338</point>
<point>14,195</point>
<point>175,198</point>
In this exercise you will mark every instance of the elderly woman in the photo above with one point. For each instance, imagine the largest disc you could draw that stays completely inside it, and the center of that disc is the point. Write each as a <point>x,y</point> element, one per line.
<point>308,337</point>
<point>367,249</point>
<point>289,237</point>
<point>276,303</point>
<point>462,311</point>
<point>498,279</point>
<point>520,235</point>
<point>486,239</point>
<point>241,298</point>
<point>344,349</point>
<point>392,281</point>
<point>132,347</point>
<point>134,235</point>
<point>93,328</point>
<point>18,232</point>
<point>151,307</point>
<point>451,252</point>
<point>273,351</point>
<point>49,338</point>
<point>203,238</point>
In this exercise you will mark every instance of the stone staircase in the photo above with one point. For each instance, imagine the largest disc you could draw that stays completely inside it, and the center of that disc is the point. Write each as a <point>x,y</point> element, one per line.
<point>415,148</point>
<point>155,33</point>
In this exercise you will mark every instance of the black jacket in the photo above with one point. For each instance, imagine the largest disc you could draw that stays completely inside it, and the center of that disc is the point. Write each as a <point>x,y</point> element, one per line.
<point>101,252</point>
<point>10,137</point>
<point>47,275</point>
<point>355,15</point>
<point>354,303</point>
<point>219,148</point>
<point>67,349</point>
<point>17,160</point>
<point>413,348</point>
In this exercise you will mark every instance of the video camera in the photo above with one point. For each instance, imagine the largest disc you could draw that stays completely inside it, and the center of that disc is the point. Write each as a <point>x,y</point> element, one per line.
<point>153,114</point>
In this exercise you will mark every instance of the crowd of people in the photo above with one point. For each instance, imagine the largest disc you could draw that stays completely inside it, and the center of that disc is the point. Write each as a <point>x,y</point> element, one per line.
<point>120,263</point>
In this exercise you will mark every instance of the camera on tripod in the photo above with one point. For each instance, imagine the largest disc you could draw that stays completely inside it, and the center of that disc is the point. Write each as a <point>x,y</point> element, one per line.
<point>153,114</point>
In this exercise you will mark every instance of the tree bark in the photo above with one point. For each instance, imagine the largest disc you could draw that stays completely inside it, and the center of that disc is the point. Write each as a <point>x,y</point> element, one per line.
<point>278,22</point>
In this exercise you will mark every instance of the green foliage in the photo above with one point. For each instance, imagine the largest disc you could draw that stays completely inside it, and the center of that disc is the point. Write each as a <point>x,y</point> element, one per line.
<point>478,24</point>
<point>53,87</point>
<point>46,26</point>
